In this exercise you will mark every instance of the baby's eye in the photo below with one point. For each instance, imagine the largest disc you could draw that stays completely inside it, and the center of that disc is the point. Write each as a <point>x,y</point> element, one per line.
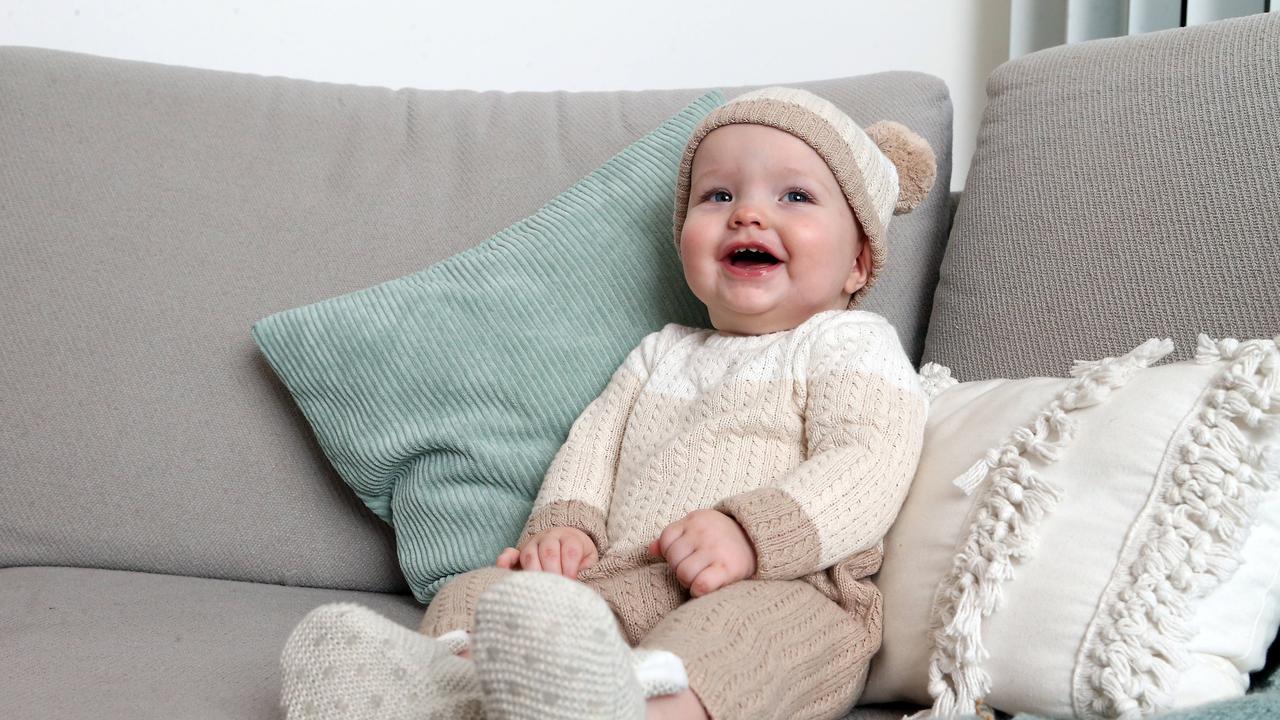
<point>797,196</point>
<point>719,196</point>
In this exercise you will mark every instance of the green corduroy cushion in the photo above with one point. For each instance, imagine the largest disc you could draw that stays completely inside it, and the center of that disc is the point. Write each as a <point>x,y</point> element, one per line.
<point>442,396</point>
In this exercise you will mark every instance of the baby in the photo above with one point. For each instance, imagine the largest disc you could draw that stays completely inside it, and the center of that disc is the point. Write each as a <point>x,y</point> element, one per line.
<point>706,532</point>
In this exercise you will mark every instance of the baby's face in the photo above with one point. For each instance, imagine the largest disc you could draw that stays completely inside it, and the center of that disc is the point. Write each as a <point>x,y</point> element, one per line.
<point>757,186</point>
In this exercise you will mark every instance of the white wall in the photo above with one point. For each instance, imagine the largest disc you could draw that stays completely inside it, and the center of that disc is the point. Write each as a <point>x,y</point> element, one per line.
<point>542,44</point>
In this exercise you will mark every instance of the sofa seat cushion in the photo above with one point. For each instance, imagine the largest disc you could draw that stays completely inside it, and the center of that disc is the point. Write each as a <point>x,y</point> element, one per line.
<point>105,644</point>
<point>108,644</point>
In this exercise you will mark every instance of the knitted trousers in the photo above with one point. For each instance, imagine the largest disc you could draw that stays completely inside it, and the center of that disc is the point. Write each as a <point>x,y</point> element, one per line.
<point>752,649</point>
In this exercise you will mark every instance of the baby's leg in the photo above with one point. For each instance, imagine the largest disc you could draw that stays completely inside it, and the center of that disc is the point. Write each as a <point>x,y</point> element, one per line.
<point>639,588</point>
<point>547,647</point>
<point>451,614</point>
<point>770,649</point>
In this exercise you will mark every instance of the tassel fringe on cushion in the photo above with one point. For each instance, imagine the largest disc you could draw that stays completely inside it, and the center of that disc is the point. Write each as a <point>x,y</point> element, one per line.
<point>1202,518</point>
<point>1004,528</point>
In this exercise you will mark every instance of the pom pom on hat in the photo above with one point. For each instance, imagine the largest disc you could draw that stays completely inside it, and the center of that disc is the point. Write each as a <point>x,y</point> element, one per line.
<point>911,155</point>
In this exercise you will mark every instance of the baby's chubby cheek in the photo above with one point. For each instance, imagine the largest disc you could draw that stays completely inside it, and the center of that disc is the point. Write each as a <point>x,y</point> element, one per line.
<point>698,280</point>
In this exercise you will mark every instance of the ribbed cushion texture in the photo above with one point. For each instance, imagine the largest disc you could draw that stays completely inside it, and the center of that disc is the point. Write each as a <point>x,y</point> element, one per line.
<point>1121,189</point>
<point>442,396</point>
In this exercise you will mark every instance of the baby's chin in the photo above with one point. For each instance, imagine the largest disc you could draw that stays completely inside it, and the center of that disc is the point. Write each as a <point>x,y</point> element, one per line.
<point>748,323</point>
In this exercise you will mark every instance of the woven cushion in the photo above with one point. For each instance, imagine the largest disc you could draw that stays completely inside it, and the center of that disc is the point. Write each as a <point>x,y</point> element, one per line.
<point>1120,189</point>
<point>1119,551</point>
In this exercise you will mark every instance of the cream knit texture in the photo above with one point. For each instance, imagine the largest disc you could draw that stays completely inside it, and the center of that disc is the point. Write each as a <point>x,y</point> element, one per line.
<point>548,648</point>
<point>344,661</point>
<point>659,672</point>
<point>808,437</point>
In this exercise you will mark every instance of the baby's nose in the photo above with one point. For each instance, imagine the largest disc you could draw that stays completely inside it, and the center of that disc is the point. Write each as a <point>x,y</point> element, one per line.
<point>746,214</point>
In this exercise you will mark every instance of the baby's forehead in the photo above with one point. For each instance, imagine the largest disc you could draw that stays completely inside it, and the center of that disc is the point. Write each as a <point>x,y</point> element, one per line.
<point>749,135</point>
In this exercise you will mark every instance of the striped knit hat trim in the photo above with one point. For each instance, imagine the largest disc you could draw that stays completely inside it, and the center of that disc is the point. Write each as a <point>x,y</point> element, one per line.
<point>868,179</point>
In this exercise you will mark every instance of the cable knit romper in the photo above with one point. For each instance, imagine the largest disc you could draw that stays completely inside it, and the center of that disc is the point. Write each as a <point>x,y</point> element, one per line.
<point>807,437</point>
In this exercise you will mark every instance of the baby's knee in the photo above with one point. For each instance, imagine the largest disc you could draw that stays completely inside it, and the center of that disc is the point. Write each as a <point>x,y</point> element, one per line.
<point>454,606</point>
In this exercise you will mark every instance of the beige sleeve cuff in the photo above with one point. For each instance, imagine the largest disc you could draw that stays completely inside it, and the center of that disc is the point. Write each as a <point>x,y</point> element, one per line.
<point>784,537</point>
<point>567,513</point>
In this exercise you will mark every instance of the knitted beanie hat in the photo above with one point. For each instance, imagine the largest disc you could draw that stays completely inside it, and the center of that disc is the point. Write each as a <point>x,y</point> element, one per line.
<point>884,170</point>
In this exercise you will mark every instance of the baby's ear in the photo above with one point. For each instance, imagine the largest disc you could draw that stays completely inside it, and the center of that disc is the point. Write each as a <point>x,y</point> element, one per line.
<point>912,156</point>
<point>861,270</point>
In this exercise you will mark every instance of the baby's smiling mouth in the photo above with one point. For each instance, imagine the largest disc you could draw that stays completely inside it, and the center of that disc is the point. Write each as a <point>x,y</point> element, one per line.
<point>750,262</point>
<point>751,258</point>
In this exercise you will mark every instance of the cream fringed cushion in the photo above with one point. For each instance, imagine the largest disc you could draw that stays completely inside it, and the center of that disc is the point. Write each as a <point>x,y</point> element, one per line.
<point>1117,554</point>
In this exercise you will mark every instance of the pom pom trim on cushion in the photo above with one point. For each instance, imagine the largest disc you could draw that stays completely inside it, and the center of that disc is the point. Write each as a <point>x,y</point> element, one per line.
<point>1004,529</point>
<point>1134,649</point>
<point>935,378</point>
<point>912,157</point>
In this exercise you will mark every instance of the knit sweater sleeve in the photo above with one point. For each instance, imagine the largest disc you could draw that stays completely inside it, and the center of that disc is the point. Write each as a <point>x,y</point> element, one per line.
<point>578,484</point>
<point>864,428</point>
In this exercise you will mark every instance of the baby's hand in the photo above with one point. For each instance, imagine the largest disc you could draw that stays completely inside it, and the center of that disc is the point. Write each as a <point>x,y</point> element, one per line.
<point>562,550</point>
<point>707,549</point>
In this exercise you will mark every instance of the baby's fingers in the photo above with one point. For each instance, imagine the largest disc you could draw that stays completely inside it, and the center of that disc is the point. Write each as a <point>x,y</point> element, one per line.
<point>589,559</point>
<point>688,569</point>
<point>570,559</point>
<point>712,578</point>
<point>529,557</point>
<point>549,555</point>
<point>507,558</point>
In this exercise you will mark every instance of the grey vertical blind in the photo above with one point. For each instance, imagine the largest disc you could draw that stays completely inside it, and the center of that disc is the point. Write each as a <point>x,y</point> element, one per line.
<point>1038,24</point>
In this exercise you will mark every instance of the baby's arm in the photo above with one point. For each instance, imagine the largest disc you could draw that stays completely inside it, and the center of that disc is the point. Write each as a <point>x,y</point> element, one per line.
<point>864,425</point>
<point>577,487</point>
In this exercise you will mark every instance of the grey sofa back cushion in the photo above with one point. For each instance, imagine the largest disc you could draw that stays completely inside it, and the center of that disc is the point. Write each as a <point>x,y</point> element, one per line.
<point>150,214</point>
<point>1121,189</point>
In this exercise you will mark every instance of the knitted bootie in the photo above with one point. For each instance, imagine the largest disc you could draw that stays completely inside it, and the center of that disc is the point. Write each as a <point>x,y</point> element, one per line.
<point>549,647</point>
<point>659,672</point>
<point>347,662</point>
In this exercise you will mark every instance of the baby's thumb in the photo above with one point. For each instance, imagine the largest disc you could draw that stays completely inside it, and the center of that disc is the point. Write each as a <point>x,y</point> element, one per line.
<point>653,548</point>
<point>589,557</point>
